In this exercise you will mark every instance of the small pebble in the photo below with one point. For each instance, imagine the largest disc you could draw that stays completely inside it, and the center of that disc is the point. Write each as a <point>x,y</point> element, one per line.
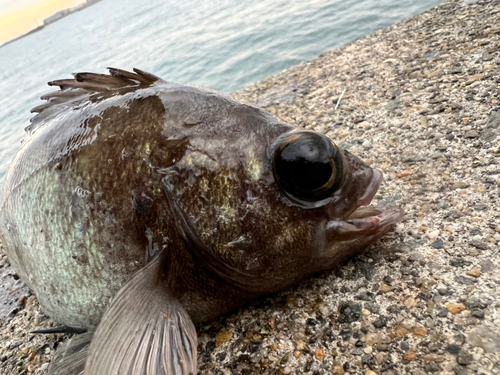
<point>384,288</point>
<point>433,235</point>
<point>430,357</point>
<point>337,368</point>
<point>473,252</point>
<point>478,314</point>
<point>476,272</point>
<point>410,355</point>
<point>419,331</point>
<point>320,354</point>
<point>401,331</point>
<point>464,358</point>
<point>471,134</point>
<point>410,302</point>
<point>452,348</point>
<point>222,337</point>
<point>438,244</point>
<point>455,308</point>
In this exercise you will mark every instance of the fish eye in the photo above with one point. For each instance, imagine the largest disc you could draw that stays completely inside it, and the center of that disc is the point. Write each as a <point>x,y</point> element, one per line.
<point>307,166</point>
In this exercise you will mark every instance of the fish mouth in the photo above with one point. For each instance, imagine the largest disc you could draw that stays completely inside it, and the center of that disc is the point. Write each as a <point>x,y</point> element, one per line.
<point>364,219</point>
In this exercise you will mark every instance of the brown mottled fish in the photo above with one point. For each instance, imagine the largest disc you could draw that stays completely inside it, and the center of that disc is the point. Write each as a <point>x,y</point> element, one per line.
<point>137,207</point>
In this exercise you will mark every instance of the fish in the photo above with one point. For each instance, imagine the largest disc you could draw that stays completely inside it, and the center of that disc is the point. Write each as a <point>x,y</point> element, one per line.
<point>137,208</point>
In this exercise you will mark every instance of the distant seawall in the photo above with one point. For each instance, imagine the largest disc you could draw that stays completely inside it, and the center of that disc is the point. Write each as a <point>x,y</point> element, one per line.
<point>54,18</point>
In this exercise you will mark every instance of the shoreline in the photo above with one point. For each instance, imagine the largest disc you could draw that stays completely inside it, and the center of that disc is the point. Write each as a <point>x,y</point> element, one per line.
<point>36,29</point>
<point>64,13</point>
<point>419,100</point>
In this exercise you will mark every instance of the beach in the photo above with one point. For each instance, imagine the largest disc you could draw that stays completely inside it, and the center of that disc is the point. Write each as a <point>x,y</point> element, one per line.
<point>419,100</point>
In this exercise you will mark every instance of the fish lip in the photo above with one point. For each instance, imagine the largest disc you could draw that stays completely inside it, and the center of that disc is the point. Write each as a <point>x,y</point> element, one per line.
<point>367,197</point>
<point>371,189</point>
<point>350,225</point>
<point>388,216</point>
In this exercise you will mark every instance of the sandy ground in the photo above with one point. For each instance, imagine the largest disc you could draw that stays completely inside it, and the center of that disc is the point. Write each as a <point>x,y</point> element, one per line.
<point>421,102</point>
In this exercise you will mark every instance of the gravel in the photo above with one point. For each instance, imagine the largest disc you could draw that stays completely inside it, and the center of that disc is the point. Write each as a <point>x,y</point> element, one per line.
<point>419,100</point>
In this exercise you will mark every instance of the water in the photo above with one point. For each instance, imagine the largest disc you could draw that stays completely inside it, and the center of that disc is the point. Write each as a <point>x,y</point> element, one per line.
<point>221,44</point>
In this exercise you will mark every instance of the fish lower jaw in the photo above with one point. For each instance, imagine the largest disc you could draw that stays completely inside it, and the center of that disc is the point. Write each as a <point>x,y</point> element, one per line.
<point>365,221</point>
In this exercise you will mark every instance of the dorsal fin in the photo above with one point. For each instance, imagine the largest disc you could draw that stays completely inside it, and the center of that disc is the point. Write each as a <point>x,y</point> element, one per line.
<point>89,87</point>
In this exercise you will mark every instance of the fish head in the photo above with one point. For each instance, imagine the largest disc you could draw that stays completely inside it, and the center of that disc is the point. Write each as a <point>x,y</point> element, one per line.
<point>334,189</point>
<point>263,205</point>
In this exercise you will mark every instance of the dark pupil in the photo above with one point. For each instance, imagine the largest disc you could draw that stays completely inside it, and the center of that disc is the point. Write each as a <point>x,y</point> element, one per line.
<point>303,168</point>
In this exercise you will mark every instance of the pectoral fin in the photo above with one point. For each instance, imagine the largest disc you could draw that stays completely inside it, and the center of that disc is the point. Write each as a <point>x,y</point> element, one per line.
<point>144,332</point>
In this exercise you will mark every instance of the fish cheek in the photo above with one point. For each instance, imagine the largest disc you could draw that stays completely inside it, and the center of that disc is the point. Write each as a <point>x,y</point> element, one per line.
<point>287,238</point>
<point>205,199</point>
<point>208,196</point>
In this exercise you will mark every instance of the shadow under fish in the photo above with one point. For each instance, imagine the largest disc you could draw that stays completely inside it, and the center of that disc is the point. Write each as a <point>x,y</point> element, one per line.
<point>137,207</point>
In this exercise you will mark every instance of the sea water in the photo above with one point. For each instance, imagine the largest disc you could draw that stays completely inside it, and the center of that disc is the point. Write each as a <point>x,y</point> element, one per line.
<point>220,44</point>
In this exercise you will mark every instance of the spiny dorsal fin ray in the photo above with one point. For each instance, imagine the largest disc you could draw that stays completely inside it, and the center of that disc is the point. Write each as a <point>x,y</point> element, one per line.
<point>72,93</point>
<point>116,79</point>
<point>89,87</point>
<point>143,76</point>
